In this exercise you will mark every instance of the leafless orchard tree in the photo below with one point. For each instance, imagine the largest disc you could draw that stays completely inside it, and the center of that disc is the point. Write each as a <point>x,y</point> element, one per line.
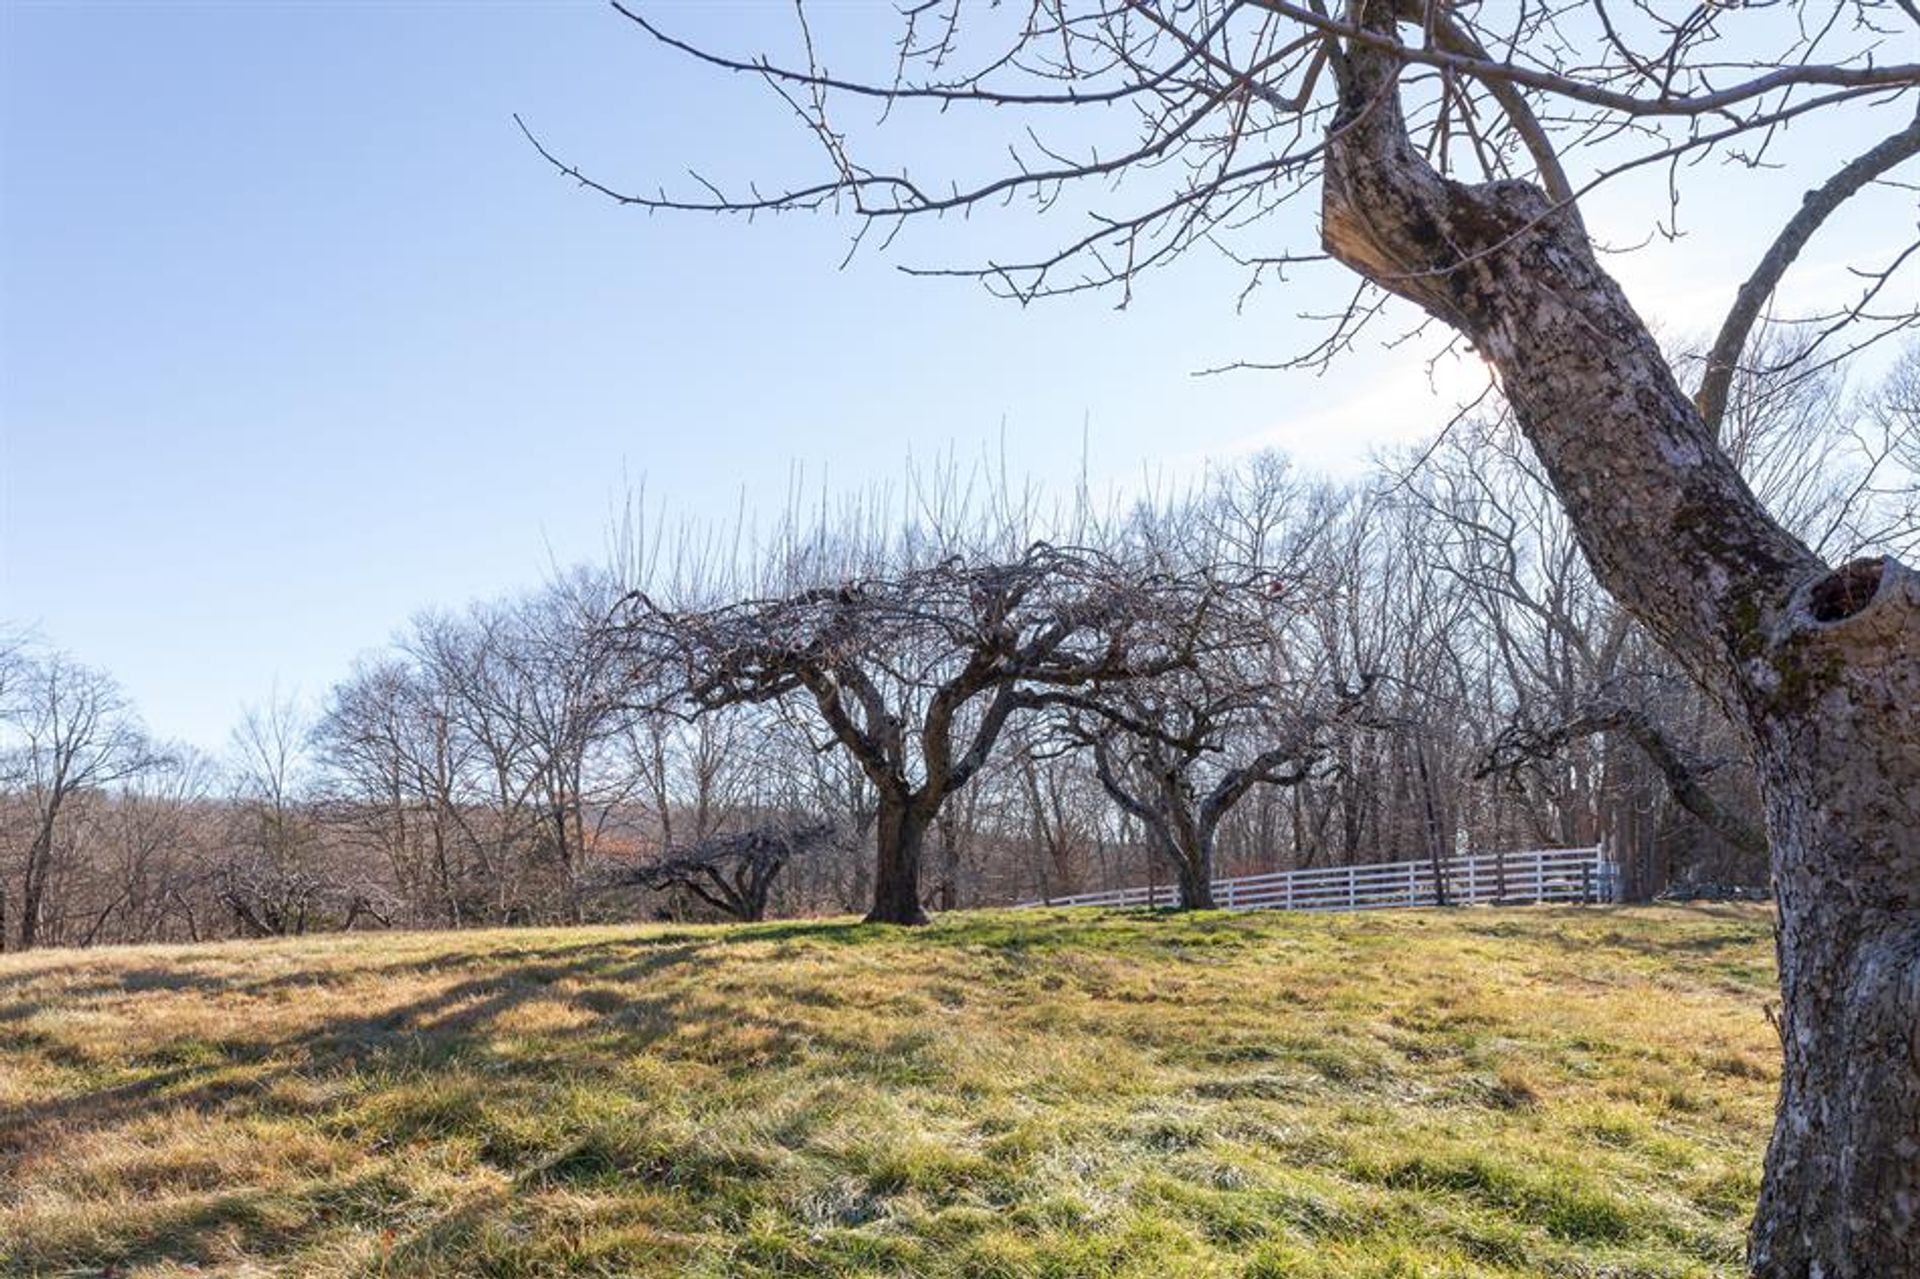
<point>700,780</point>
<point>1450,144</point>
<point>732,873</point>
<point>916,673</point>
<point>1256,707</point>
<point>1181,754</point>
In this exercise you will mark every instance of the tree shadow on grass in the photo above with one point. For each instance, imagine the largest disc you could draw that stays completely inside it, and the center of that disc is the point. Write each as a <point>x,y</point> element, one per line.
<point>433,1065</point>
<point>240,1077</point>
<point>438,1066</point>
<point>448,1023</point>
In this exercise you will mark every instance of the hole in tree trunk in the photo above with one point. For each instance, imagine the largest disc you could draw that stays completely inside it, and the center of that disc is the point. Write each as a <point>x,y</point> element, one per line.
<point>1846,590</point>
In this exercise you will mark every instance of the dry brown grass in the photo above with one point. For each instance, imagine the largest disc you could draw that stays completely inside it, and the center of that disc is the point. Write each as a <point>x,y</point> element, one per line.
<point>1564,1092</point>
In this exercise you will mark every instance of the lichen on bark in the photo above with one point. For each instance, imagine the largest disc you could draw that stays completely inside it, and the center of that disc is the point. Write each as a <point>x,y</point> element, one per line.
<point>1821,667</point>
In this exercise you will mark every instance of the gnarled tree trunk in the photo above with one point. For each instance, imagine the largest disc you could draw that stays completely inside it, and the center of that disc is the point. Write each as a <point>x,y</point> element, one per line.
<point>1187,841</point>
<point>1833,695</point>
<point>1821,667</point>
<point>899,834</point>
<point>1193,867</point>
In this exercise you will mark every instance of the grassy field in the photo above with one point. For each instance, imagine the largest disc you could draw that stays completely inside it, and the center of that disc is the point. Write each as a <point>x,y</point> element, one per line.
<point>1528,1092</point>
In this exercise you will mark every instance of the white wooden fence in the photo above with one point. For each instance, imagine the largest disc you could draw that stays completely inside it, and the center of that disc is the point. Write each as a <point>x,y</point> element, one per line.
<point>1536,875</point>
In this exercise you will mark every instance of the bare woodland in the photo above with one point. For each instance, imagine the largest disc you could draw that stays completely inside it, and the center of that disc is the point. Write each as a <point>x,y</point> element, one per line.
<point>1263,672</point>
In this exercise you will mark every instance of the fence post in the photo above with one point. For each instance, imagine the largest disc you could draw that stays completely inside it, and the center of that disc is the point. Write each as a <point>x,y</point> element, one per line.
<point>1413,884</point>
<point>1472,894</point>
<point>1351,900</point>
<point>1230,885</point>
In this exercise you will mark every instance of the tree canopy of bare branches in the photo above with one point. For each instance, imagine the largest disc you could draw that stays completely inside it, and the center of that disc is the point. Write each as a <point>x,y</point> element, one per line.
<point>916,674</point>
<point>733,872</point>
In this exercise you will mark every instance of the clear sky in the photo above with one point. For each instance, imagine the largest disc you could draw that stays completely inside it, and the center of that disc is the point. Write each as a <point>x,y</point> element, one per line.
<point>298,336</point>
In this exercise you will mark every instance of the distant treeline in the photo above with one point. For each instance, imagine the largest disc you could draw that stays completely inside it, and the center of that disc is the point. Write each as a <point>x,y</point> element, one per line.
<point>984,699</point>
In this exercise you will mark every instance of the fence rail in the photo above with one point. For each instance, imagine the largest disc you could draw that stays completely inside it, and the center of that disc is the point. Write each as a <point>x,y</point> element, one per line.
<point>1534,875</point>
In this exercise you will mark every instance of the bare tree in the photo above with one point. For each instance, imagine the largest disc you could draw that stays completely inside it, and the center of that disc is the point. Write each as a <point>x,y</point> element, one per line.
<point>558,686</point>
<point>1255,706</point>
<point>67,732</point>
<point>1050,799</point>
<point>1585,683</point>
<point>1446,139</point>
<point>272,878</point>
<point>1180,756</point>
<point>695,775</point>
<point>916,674</point>
<point>733,873</point>
<point>149,853</point>
<point>1573,679</point>
<point>1893,432</point>
<point>394,770</point>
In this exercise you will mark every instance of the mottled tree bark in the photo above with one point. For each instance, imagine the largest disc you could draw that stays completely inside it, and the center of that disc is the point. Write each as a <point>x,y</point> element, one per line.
<point>1833,695</point>
<point>1821,667</point>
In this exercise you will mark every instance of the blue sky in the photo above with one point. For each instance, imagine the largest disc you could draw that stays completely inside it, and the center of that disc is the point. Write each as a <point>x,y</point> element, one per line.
<point>298,336</point>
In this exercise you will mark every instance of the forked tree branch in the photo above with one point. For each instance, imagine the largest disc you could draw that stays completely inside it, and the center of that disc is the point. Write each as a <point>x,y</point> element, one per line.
<point>1723,360</point>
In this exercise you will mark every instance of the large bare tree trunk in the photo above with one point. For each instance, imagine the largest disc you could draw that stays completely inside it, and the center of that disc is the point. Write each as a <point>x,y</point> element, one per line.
<point>1821,667</point>
<point>1194,869</point>
<point>899,834</point>
<point>1187,844</point>
<point>1836,714</point>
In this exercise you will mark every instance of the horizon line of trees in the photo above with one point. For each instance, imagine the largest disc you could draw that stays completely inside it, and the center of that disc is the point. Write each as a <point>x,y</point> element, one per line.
<point>983,702</point>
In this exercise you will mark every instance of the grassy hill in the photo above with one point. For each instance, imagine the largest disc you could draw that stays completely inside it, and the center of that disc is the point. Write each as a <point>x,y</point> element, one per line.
<point>1528,1092</point>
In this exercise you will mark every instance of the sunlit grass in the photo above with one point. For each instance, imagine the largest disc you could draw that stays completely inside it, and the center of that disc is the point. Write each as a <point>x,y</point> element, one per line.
<point>1533,1092</point>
